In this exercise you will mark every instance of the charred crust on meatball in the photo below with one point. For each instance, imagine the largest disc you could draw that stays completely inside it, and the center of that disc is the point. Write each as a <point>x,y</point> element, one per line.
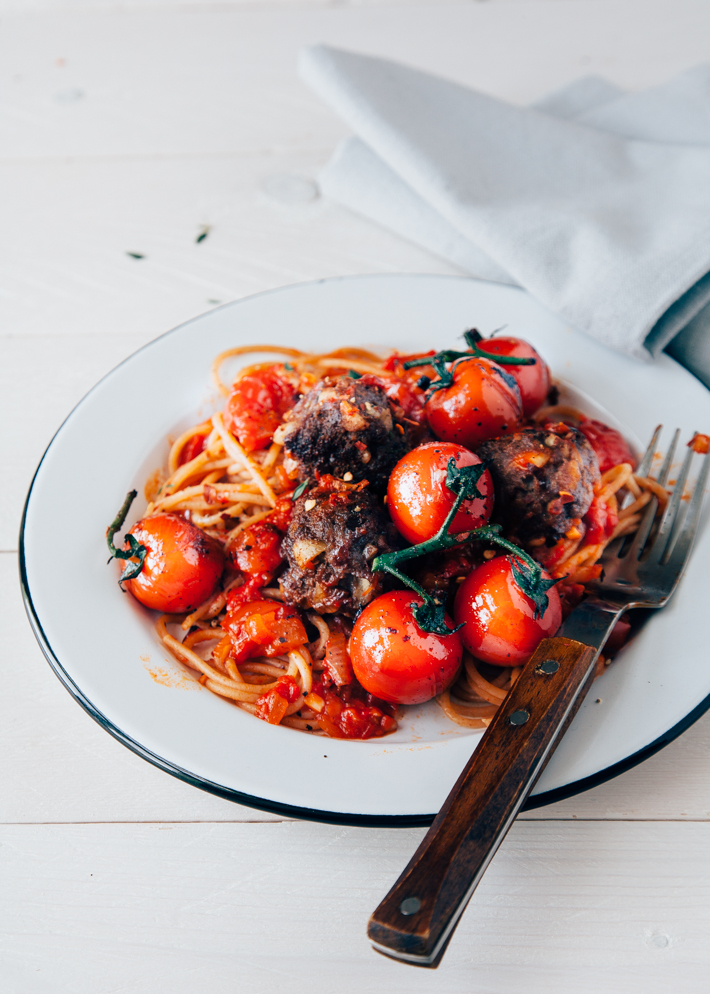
<point>346,425</point>
<point>336,531</point>
<point>544,479</point>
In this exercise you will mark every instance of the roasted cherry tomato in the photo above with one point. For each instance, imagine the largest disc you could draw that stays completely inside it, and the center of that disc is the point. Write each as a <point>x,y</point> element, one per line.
<point>498,618</point>
<point>419,500</point>
<point>533,380</point>
<point>483,402</point>
<point>262,628</point>
<point>182,566</point>
<point>394,659</point>
<point>194,446</point>
<point>610,446</point>
<point>257,404</point>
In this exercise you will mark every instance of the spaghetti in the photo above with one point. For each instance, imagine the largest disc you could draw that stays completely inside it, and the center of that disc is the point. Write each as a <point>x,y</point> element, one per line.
<point>226,482</point>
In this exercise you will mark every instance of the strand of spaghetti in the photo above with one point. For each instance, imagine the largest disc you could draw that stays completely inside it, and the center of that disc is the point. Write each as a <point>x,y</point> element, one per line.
<point>235,691</point>
<point>245,524</point>
<point>318,647</point>
<point>640,502</point>
<point>303,724</point>
<point>179,443</point>
<point>187,470</point>
<point>203,635</point>
<point>560,412</point>
<point>234,449</point>
<point>242,350</point>
<point>271,456</point>
<point>633,487</point>
<point>479,683</point>
<point>625,527</point>
<point>302,660</point>
<point>197,663</point>
<point>210,520</point>
<point>444,702</point>
<point>354,364</point>
<point>233,671</point>
<point>210,607</point>
<point>648,484</point>
<point>262,669</point>
<point>614,479</point>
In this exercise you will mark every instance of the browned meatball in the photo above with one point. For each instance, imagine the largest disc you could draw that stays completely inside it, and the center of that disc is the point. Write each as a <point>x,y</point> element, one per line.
<point>543,479</point>
<point>336,531</point>
<point>346,425</point>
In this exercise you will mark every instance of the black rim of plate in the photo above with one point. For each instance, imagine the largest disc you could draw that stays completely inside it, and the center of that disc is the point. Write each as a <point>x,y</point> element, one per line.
<point>274,807</point>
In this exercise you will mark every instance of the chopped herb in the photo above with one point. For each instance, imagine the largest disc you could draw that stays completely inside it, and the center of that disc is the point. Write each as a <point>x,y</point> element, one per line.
<point>354,375</point>
<point>300,488</point>
<point>288,366</point>
<point>134,550</point>
<point>204,232</point>
<point>135,255</point>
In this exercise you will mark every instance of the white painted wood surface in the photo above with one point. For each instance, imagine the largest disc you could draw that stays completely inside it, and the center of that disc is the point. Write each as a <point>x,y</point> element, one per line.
<point>126,128</point>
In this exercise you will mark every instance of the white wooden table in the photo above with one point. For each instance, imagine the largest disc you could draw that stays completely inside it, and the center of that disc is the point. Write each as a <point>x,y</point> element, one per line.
<point>127,128</point>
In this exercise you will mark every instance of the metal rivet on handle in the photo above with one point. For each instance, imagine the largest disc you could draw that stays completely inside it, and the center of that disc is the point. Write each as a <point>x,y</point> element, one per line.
<point>410,905</point>
<point>547,666</point>
<point>519,717</point>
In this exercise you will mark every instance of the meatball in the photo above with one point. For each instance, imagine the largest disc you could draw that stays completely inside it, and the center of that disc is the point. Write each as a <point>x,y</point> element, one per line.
<point>336,531</point>
<point>348,426</point>
<point>543,478</point>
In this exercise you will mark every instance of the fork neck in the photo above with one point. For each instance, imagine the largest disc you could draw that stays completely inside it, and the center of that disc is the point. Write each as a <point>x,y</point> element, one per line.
<point>592,621</point>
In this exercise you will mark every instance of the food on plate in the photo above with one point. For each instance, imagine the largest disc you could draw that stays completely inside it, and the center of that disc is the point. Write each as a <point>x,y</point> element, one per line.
<point>394,659</point>
<point>355,534</point>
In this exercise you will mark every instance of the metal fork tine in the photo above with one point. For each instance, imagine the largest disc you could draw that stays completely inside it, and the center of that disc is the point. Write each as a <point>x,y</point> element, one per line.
<point>669,515</point>
<point>638,540</point>
<point>643,468</point>
<point>686,535</point>
<point>645,464</point>
<point>666,467</point>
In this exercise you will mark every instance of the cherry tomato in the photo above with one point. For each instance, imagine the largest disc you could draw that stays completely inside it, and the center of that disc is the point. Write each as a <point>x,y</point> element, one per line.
<point>257,404</point>
<point>182,566</point>
<point>262,628</point>
<point>610,446</point>
<point>533,381</point>
<point>483,402</point>
<point>194,446</point>
<point>419,500</point>
<point>498,618</point>
<point>394,659</point>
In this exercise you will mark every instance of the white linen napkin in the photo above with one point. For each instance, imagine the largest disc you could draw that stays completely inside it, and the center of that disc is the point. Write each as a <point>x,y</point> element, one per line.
<point>596,201</point>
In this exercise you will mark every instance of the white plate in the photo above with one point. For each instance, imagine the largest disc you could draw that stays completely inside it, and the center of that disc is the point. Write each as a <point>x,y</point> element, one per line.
<point>102,645</point>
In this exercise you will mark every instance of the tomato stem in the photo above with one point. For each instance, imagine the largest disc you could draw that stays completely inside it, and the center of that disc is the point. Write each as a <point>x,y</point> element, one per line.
<point>462,481</point>
<point>134,550</point>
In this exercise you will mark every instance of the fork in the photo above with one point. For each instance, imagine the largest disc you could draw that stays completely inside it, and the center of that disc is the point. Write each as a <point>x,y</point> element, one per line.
<point>416,920</point>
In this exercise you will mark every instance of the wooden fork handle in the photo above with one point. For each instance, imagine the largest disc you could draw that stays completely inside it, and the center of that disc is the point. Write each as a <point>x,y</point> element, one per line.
<point>417,918</point>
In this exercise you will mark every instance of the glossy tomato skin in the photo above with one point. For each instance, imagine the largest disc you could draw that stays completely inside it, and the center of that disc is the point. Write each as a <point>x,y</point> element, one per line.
<point>497,616</point>
<point>394,659</point>
<point>533,380</point>
<point>610,445</point>
<point>419,500</point>
<point>257,403</point>
<point>182,566</point>
<point>480,404</point>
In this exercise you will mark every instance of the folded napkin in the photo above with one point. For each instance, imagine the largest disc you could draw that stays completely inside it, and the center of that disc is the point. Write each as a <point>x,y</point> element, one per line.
<point>596,201</point>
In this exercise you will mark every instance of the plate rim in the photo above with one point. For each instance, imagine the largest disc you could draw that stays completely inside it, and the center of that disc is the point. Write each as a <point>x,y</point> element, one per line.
<point>263,804</point>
